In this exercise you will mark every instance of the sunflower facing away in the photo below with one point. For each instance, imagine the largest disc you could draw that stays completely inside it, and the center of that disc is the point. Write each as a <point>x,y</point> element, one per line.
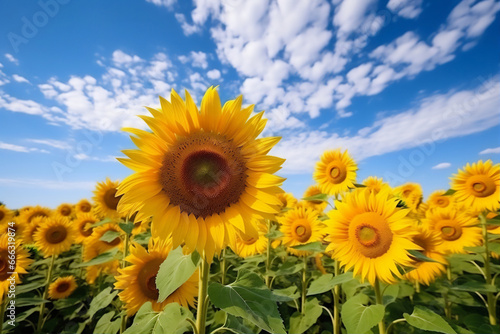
<point>300,226</point>
<point>83,224</point>
<point>138,280</point>
<point>370,234</point>
<point>457,229</point>
<point>27,215</point>
<point>478,186</point>
<point>335,173</point>
<point>62,287</point>
<point>375,184</point>
<point>199,170</point>
<point>287,200</point>
<point>54,235</point>
<point>83,206</point>
<point>313,204</point>
<point>244,245</point>
<point>29,230</point>
<point>106,200</point>
<point>6,215</point>
<point>411,194</point>
<point>65,210</point>
<point>19,267</point>
<point>427,272</point>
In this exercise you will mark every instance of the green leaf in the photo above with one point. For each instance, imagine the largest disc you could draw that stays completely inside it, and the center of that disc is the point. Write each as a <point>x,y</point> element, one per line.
<point>358,185</point>
<point>423,318</point>
<point>449,192</point>
<point>126,227</point>
<point>312,247</point>
<point>286,295</point>
<point>420,256</point>
<point>175,271</point>
<point>23,288</point>
<point>100,259</point>
<point>248,298</point>
<point>289,267</point>
<point>359,318</point>
<point>327,282</point>
<point>102,300</point>
<point>172,320</point>
<point>299,322</point>
<point>103,222</point>
<point>21,302</point>
<point>106,326</point>
<point>477,249</point>
<point>494,247</point>
<point>474,286</point>
<point>110,236</point>
<point>317,197</point>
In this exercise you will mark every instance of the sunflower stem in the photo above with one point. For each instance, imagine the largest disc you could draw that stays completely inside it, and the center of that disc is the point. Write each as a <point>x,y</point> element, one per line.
<point>45,294</point>
<point>487,272</point>
<point>223,267</point>
<point>201,313</point>
<point>447,303</point>
<point>378,298</point>
<point>304,286</point>
<point>268,256</point>
<point>417,287</point>
<point>124,317</point>
<point>336,306</point>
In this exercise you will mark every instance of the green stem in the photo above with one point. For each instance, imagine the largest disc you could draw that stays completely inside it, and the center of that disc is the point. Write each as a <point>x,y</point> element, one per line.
<point>417,287</point>
<point>124,317</point>
<point>336,305</point>
<point>447,303</point>
<point>378,297</point>
<point>304,286</point>
<point>45,294</point>
<point>223,267</point>
<point>268,256</point>
<point>201,313</point>
<point>487,272</point>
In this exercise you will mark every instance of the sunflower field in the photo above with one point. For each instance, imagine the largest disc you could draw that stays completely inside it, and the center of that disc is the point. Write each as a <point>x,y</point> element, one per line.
<point>201,238</point>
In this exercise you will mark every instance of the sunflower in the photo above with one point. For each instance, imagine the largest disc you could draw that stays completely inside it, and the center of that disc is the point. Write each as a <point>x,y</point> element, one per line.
<point>427,272</point>
<point>62,287</point>
<point>7,265</point>
<point>300,226</point>
<point>438,199</point>
<point>335,173</point>
<point>287,200</point>
<point>139,226</point>
<point>26,216</point>
<point>30,229</point>
<point>6,215</point>
<point>456,228</point>
<point>106,200</point>
<point>375,184</point>
<point>15,226</point>
<point>411,194</point>
<point>478,186</point>
<point>54,235</point>
<point>65,210</point>
<point>317,205</point>
<point>83,224</point>
<point>138,280</point>
<point>199,171</point>
<point>244,245</point>
<point>369,233</point>
<point>83,206</point>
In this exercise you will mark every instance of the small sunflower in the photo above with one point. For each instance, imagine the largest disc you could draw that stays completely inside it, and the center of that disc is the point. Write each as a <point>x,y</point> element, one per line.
<point>456,229</point>
<point>300,226</point>
<point>138,280</point>
<point>105,199</point>
<point>478,186</point>
<point>200,171</point>
<point>29,214</point>
<point>83,206</point>
<point>411,194</point>
<point>30,229</point>
<point>314,204</point>
<point>17,227</point>
<point>375,184</point>
<point>335,173</point>
<point>438,199</point>
<point>245,245</point>
<point>6,215</point>
<point>83,224</point>
<point>370,234</point>
<point>62,287</point>
<point>17,266</point>
<point>287,200</point>
<point>54,235</point>
<point>65,210</point>
<point>427,272</point>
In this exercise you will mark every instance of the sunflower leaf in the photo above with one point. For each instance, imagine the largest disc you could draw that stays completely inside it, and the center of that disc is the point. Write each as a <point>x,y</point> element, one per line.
<point>175,271</point>
<point>312,247</point>
<point>100,259</point>
<point>102,300</point>
<point>419,256</point>
<point>317,197</point>
<point>102,222</point>
<point>359,318</point>
<point>327,282</point>
<point>449,192</point>
<point>110,236</point>
<point>358,185</point>
<point>105,325</point>
<point>127,226</point>
<point>423,318</point>
<point>173,319</point>
<point>299,323</point>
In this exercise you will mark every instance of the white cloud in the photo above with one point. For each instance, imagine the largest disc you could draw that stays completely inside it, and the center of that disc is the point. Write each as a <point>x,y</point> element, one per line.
<point>165,3</point>
<point>19,148</point>
<point>214,74</point>
<point>409,9</point>
<point>48,184</point>
<point>350,15</point>
<point>19,78</point>
<point>495,150</point>
<point>11,58</point>
<point>83,156</point>
<point>187,28</point>
<point>442,165</point>
<point>198,59</point>
<point>59,144</point>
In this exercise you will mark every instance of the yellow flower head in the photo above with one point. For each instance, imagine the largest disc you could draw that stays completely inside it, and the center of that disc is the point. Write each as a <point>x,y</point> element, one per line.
<point>83,224</point>
<point>370,234</point>
<point>245,245</point>
<point>313,204</point>
<point>54,235</point>
<point>106,199</point>
<point>287,200</point>
<point>138,280</point>
<point>200,171</point>
<point>65,210</point>
<point>6,215</point>
<point>478,186</point>
<point>300,226</point>
<point>335,173</point>
<point>438,200</point>
<point>26,216</point>
<point>375,184</point>
<point>17,266</point>
<point>83,206</point>
<point>62,287</point>
<point>29,230</point>
<point>411,194</point>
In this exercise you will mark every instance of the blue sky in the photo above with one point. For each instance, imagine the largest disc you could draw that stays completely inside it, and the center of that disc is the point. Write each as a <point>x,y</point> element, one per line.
<point>411,88</point>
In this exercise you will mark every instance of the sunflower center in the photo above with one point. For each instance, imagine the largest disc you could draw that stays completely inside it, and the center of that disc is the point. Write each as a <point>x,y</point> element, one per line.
<point>56,234</point>
<point>63,287</point>
<point>482,185</point>
<point>302,230</point>
<point>203,174</point>
<point>65,211</point>
<point>86,228</point>
<point>85,207</point>
<point>450,232</point>
<point>36,214</point>
<point>110,200</point>
<point>406,193</point>
<point>372,234</point>
<point>113,242</point>
<point>4,265</point>
<point>443,202</point>
<point>337,173</point>
<point>146,278</point>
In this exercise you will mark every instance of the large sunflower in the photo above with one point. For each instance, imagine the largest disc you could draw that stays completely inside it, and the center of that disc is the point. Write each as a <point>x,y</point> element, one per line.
<point>83,206</point>
<point>199,170</point>
<point>17,266</point>
<point>83,224</point>
<point>456,228</point>
<point>335,173</point>
<point>300,226</point>
<point>138,280</point>
<point>245,246</point>
<point>106,199</point>
<point>54,235</point>
<point>369,233</point>
<point>25,216</point>
<point>478,186</point>
<point>427,272</point>
<point>65,210</point>
<point>6,215</point>
<point>317,205</point>
<point>62,287</point>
